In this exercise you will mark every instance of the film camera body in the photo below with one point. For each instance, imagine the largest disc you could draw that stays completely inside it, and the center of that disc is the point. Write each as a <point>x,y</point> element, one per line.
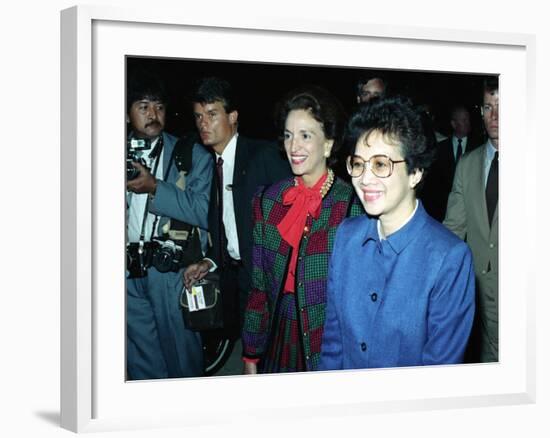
<point>134,152</point>
<point>165,255</point>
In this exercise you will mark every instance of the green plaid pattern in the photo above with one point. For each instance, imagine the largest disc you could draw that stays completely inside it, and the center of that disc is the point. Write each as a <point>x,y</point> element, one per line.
<point>285,330</point>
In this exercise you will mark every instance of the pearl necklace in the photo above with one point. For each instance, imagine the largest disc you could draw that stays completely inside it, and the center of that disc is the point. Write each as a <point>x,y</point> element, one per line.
<point>326,185</point>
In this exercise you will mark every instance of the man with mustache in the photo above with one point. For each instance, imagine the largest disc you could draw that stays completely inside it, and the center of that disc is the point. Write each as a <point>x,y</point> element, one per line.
<point>472,214</point>
<point>158,343</point>
<point>242,166</point>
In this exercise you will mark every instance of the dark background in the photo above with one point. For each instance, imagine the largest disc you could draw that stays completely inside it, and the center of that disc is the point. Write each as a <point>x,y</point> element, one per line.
<point>261,85</point>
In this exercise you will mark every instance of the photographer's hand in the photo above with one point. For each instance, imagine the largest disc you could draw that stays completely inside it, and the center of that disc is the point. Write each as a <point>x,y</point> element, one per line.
<point>144,182</point>
<point>195,272</point>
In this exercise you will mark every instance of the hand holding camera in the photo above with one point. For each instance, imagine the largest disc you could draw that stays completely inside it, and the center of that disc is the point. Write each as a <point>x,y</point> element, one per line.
<point>144,182</point>
<point>138,175</point>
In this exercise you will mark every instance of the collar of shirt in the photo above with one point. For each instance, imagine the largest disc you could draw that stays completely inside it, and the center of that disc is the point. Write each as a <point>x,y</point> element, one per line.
<point>228,156</point>
<point>381,234</point>
<point>147,152</point>
<point>151,162</point>
<point>454,139</point>
<point>489,152</point>
<point>399,239</point>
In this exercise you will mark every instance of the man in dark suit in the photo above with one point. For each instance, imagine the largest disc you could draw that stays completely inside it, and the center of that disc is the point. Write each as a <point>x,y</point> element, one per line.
<point>241,166</point>
<point>449,151</point>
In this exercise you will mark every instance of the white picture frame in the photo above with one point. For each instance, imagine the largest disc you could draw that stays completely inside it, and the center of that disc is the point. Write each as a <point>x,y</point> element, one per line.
<point>94,395</point>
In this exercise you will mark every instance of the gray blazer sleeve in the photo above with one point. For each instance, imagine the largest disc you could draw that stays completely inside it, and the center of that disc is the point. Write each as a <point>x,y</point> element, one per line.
<point>455,218</point>
<point>189,205</point>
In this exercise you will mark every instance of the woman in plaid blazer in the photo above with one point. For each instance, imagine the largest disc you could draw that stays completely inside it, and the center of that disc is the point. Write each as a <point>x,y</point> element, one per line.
<point>295,222</point>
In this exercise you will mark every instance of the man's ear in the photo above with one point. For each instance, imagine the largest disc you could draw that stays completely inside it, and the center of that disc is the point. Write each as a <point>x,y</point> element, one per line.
<point>233,116</point>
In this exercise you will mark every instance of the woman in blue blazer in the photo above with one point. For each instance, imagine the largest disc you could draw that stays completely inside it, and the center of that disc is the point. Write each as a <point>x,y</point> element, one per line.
<point>400,285</point>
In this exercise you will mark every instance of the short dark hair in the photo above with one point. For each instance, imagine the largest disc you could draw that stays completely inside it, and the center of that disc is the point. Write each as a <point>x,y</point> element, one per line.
<point>144,85</point>
<point>490,84</point>
<point>323,107</point>
<point>365,79</point>
<point>458,108</point>
<point>214,89</point>
<point>404,125</point>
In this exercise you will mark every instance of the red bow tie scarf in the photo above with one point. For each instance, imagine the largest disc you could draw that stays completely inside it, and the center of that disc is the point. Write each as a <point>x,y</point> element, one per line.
<point>304,201</point>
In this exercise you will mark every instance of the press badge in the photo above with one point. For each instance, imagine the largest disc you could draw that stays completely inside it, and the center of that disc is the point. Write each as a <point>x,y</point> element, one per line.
<point>195,298</point>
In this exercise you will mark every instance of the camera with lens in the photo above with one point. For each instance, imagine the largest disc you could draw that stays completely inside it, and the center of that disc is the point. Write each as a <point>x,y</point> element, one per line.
<point>135,148</point>
<point>167,256</point>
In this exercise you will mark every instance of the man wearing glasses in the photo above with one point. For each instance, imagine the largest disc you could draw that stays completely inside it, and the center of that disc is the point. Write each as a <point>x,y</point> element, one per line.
<point>472,214</point>
<point>400,285</point>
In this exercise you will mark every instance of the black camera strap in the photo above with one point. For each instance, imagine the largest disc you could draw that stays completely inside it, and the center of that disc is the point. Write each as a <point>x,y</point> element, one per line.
<point>156,155</point>
<point>182,158</point>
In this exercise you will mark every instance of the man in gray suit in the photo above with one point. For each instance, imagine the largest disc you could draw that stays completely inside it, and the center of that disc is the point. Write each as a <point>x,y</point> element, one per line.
<point>472,214</point>
<point>158,343</point>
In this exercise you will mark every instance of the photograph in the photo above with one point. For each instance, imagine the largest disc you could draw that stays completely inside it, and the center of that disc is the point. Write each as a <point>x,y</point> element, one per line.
<point>288,218</point>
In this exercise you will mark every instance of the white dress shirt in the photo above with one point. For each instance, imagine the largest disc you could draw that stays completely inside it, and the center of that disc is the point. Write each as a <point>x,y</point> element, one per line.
<point>230,225</point>
<point>455,145</point>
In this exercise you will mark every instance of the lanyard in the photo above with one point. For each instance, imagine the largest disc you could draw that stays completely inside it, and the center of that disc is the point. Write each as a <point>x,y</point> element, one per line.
<point>155,153</point>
